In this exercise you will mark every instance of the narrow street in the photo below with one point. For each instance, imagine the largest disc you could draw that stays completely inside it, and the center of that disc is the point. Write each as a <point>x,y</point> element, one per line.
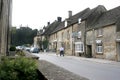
<point>92,69</point>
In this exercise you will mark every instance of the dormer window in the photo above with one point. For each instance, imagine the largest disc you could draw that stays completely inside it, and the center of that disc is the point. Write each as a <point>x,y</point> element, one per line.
<point>79,20</point>
<point>66,23</point>
<point>79,34</point>
<point>43,30</point>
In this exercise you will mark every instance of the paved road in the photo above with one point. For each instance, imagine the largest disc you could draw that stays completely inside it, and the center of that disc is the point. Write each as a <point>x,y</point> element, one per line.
<point>90,69</point>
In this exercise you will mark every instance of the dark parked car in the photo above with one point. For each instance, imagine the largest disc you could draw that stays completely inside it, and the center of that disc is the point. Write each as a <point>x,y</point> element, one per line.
<point>27,49</point>
<point>34,50</point>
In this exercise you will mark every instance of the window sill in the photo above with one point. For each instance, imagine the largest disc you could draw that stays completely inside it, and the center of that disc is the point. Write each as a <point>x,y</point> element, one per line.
<point>79,52</point>
<point>100,36</point>
<point>100,53</point>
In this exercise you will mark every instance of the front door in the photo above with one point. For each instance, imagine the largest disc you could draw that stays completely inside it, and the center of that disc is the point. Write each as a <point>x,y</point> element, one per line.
<point>118,51</point>
<point>89,51</point>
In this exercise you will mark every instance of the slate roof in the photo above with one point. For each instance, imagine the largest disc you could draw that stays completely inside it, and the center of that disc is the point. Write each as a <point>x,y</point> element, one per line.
<point>59,27</point>
<point>105,18</point>
<point>110,17</point>
<point>51,27</point>
<point>118,24</point>
<point>94,15</point>
<point>73,19</point>
<point>82,14</point>
<point>95,18</point>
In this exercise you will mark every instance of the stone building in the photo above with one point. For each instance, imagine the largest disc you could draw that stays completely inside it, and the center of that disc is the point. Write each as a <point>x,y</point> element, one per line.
<point>57,37</point>
<point>93,16</point>
<point>78,32</point>
<point>65,32</point>
<point>37,40</point>
<point>102,36</point>
<point>47,34</point>
<point>5,24</point>
<point>91,33</point>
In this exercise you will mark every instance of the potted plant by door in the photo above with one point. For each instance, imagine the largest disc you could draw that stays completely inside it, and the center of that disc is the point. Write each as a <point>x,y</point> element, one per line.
<point>12,51</point>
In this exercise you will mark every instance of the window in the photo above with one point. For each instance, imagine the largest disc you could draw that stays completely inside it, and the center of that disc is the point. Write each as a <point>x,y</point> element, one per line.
<point>79,34</point>
<point>100,32</point>
<point>68,34</point>
<point>66,23</point>
<point>79,47</point>
<point>43,30</point>
<point>74,34</point>
<point>79,20</point>
<point>99,48</point>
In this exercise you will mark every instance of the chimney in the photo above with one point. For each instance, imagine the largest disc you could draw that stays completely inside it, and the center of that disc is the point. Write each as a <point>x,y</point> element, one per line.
<point>59,19</point>
<point>69,14</point>
<point>48,23</point>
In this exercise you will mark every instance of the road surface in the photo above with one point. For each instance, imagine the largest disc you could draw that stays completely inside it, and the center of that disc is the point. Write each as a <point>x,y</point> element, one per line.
<point>89,69</point>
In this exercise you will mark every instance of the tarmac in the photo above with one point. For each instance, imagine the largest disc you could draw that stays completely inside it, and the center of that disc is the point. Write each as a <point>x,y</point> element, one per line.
<point>103,61</point>
<point>99,69</point>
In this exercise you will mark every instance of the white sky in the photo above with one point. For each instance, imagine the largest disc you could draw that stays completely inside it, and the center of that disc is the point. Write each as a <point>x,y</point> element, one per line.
<point>36,13</point>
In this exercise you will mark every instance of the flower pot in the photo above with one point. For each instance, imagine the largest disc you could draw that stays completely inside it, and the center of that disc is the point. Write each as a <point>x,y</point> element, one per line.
<point>12,53</point>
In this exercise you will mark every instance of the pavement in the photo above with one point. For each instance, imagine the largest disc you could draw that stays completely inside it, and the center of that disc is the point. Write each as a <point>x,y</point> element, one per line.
<point>103,61</point>
<point>53,72</point>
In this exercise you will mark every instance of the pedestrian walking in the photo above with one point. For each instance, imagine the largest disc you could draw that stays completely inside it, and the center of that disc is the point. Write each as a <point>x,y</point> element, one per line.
<point>61,51</point>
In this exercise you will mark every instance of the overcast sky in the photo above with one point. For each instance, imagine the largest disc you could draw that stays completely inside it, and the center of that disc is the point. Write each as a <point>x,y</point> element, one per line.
<point>36,13</point>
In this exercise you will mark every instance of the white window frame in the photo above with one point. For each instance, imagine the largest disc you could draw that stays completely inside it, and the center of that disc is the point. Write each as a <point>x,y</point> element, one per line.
<point>79,20</point>
<point>99,48</point>
<point>65,23</point>
<point>79,47</point>
<point>43,30</point>
<point>79,34</point>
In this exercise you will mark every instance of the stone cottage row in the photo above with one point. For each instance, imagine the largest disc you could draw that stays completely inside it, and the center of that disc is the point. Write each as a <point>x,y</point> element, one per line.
<point>91,33</point>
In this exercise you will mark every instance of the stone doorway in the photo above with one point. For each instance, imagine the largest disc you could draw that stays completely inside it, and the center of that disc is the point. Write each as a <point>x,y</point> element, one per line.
<point>118,51</point>
<point>89,51</point>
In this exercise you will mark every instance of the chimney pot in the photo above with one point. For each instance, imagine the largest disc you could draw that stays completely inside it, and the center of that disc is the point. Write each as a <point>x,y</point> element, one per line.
<point>69,14</point>
<point>48,23</point>
<point>59,19</point>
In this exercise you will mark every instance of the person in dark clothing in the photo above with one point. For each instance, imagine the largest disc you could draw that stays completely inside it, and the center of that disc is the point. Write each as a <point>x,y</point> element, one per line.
<point>61,51</point>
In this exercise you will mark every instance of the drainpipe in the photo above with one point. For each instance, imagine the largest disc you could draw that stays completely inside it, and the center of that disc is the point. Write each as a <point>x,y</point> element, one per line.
<point>93,54</point>
<point>73,53</point>
<point>85,41</point>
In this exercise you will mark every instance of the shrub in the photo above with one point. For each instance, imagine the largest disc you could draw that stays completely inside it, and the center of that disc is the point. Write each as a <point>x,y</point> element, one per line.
<point>20,53</point>
<point>18,69</point>
<point>12,48</point>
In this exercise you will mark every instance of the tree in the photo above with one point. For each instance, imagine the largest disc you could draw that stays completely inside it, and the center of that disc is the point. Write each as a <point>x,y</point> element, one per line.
<point>23,35</point>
